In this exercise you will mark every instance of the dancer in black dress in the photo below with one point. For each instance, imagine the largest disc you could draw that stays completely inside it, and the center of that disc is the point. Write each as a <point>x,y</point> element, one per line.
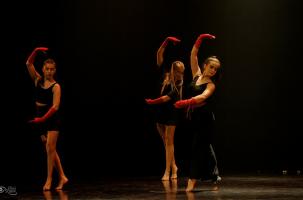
<point>203,164</point>
<point>167,114</point>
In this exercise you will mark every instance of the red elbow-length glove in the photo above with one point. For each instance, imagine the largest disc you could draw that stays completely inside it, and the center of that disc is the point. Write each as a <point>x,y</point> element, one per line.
<point>154,101</point>
<point>202,37</point>
<point>47,115</point>
<point>185,103</point>
<point>170,39</point>
<point>31,58</point>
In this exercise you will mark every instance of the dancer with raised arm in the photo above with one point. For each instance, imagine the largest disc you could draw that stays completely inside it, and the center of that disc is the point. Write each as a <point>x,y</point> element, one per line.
<point>203,165</point>
<point>167,115</point>
<point>47,120</point>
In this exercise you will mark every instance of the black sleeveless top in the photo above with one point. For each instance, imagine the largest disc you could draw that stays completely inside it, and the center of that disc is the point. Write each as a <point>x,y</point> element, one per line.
<point>44,95</point>
<point>197,90</point>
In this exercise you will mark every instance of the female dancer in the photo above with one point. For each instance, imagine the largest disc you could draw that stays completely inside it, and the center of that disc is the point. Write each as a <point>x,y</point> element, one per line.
<point>167,118</point>
<point>203,161</point>
<point>47,100</point>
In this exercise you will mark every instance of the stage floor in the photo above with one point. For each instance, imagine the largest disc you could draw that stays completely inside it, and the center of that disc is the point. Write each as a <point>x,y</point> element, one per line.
<point>238,187</point>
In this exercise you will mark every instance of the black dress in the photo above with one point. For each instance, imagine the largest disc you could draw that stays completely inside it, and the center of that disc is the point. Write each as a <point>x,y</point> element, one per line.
<point>166,113</point>
<point>203,163</point>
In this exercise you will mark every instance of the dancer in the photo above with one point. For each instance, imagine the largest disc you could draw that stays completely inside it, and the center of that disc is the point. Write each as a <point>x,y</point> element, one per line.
<point>47,120</point>
<point>167,117</point>
<point>203,164</point>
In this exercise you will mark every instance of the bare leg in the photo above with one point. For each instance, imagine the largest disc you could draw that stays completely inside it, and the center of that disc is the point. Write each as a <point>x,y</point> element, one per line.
<point>51,152</point>
<point>162,129</point>
<point>170,151</point>
<point>171,132</point>
<point>62,178</point>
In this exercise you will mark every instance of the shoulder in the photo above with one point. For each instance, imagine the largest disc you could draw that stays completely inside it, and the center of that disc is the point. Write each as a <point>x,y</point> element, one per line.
<point>56,87</point>
<point>211,85</point>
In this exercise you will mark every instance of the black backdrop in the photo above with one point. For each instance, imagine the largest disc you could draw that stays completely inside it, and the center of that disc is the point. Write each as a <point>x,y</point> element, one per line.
<point>105,52</point>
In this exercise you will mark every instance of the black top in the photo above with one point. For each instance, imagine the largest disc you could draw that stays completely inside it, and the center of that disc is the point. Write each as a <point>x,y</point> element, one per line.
<point>44,95</point>
<point>197,90</point>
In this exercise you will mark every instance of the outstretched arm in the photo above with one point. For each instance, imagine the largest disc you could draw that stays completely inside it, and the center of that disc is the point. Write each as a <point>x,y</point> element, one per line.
<point>30,63</point>
<point>195,69</point>
<point>198,100</point>
<point>160,52</point>
<point>54,108</point>
<point>159,100</point>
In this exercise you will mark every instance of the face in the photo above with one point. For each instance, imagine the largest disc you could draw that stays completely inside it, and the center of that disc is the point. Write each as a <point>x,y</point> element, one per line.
<point>211,68</point>
<point>49,70</point>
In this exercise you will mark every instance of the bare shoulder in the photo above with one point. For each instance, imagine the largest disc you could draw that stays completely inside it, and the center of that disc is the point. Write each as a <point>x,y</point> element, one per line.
<point>56,87</point>
<point>211,85</point>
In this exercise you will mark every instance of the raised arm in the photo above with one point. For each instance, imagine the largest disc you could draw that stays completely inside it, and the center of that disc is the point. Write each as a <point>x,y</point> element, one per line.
<point>160,52</point>
<point>30,63</point>
<point>194,64</point>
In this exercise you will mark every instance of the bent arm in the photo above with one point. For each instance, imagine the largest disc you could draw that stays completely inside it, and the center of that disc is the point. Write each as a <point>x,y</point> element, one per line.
<point>56,96</point>
<point>53,109</point>
<point>30,63</point>
<point>209,90</point>
<point>160,52</point>
<point>194,63</point>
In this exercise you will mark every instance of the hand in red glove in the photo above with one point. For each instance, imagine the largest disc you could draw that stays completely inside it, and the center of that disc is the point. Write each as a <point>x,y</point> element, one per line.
<point>41,49</point>
<point>202,37</point>
<point>174,40</point>
<point>37,120</point>
<point>47,115</point>
<point>154,101</point>
<point>185,103</point>
<point>31,58</point>
<point>171,39</point>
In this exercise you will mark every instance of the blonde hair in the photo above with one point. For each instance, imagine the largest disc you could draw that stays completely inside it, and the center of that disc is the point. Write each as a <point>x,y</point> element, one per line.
<point>169,79</point>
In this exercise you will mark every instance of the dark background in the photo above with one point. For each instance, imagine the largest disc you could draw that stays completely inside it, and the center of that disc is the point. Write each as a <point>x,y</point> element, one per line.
<point>106,53</point>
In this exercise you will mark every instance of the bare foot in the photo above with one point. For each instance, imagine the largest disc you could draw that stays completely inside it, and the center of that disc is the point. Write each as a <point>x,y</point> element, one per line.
<point>165,177</point>
<point>62,182</point>
<point>47,185</point>
<point>174,174</point>
<point>190,185</point>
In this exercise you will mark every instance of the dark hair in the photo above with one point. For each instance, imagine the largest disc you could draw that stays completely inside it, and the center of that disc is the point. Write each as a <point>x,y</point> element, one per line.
<point>49,61</point>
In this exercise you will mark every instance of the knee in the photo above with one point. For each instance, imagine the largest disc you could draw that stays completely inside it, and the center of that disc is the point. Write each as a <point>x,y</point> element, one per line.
<point>50,148</point>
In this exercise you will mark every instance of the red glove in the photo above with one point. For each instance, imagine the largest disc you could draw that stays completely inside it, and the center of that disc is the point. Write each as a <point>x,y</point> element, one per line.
<point>185,103</point>
<point>201,37</point>
<point>154,101</point>
<point>172,39</point>
<point>31,58</point>
<point>47,115</point>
